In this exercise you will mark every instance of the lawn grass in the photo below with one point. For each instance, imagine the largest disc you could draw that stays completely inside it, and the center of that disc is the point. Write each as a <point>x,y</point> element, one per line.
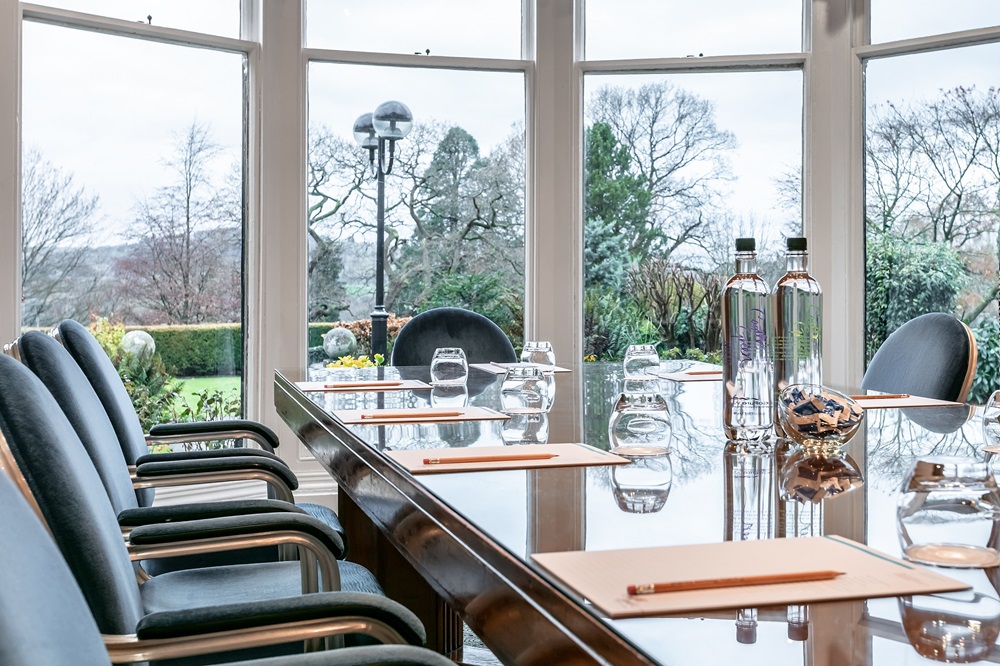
<point>192,384</point>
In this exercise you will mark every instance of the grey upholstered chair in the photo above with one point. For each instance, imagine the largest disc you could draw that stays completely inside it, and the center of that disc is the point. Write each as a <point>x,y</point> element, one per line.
<point>46,619</point>
<point>103,377</point>
<point>43,454</point>
<point>64,379</point>
<point>482,340</point>
<point>933,356</point>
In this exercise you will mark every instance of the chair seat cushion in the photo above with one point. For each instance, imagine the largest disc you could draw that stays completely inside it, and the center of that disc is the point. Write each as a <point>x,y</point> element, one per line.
<point>327,515</point>
<point>212,586</point>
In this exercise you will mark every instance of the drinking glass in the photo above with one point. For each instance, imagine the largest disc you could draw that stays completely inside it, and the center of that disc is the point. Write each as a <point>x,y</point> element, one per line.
<point>947,513</point>
<point>639,425</point>
<point>449,367</point>
<point>525,390</point>
<point>955,627</point>
<point>643,485</point>
<point>991,422</point>
<point>641,361</point>
<point>539,353</point>
<point>449,395</point>
<point>526,429</point>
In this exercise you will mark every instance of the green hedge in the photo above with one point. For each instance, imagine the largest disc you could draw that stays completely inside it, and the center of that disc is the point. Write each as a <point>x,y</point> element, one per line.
<point>317,331</point>
<point>198,351</point>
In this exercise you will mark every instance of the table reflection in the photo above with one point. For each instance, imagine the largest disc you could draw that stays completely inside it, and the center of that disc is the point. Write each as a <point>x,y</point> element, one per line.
<point>706,490</point>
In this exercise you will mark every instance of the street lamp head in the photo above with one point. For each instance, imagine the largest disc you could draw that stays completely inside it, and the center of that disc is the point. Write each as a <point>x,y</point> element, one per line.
<point>364,132</point>
<point>392,120</point>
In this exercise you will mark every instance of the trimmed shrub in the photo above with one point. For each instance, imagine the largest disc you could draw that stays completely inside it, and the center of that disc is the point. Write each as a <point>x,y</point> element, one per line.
<point>987,378</point>
<point>203,350</point>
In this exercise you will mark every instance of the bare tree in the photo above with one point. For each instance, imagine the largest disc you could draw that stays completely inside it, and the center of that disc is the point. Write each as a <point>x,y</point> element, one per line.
<point>184,264</point>
<point>933,174</point>
<point>676,146</point>
<point>58,219</point>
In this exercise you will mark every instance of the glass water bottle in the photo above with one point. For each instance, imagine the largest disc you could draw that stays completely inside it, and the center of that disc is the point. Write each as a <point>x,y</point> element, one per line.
<point>748,391</point>
<point>798,311</point>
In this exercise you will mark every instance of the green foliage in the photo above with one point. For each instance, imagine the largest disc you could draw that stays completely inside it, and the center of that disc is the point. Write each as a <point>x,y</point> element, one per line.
<point>316,331</point>
<point>152,390</point>
<point>201,350</point>
<point>485,294</point>
<point>904,280</point>
<point>616,210</point>
<point>693,354</point>
<point>605,255</point>
<point>987,378</point>
<point>612,323</point>
<point>156,395</point>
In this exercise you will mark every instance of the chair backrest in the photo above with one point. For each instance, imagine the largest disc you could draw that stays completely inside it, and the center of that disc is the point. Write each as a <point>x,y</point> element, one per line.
<point>51,363</point>
<point>45,617</point>
<point>50,460</point>
<point>933,355</point>
<point>101,372</point>
<point>482,340</point>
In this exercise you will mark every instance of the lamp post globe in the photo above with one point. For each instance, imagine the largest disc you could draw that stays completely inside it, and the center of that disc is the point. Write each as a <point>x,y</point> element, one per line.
<point>389,123</point>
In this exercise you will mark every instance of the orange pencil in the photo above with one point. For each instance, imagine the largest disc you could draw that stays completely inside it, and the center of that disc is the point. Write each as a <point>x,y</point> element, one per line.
<point>499,458</point>
<point>884,396</point>
<point>738,581</point>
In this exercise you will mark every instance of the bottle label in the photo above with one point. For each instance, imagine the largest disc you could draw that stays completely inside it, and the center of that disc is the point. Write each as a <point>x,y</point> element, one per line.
<point>752,337</point>
<point>751,410</point>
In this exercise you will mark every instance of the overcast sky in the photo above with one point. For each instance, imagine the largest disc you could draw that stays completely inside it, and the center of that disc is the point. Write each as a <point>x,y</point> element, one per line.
<point>108,109</point>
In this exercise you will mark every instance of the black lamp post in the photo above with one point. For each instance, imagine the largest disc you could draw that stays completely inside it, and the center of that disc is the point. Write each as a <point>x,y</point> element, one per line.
<point>390,122</point>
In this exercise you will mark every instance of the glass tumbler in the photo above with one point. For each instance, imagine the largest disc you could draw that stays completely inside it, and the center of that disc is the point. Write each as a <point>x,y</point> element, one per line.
<point>539,353</point>
<point>449,395</point>
<point>525,390</point>
<point>947,513</point>
<point>954,628</point>
<point>449,367</point>
<point>991,422</point>
<point>641,361</point>
<point>643,485</point>
<point>639,425</point>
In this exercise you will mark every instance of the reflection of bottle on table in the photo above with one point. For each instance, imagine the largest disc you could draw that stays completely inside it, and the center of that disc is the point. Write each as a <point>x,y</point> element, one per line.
<point>749,506</point>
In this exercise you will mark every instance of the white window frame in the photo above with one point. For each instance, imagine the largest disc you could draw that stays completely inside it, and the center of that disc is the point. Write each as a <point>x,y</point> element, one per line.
<point>835,38</point>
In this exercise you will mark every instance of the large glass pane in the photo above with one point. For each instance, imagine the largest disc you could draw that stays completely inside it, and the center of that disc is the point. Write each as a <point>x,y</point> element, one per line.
<point>133,209</point>
<point>677,29</point>
<point>906,19</point>
<point>676,167</point>
<point>454,200</point>
<point>440,27</point>
<point>931,195</point>
<point>218,17</point>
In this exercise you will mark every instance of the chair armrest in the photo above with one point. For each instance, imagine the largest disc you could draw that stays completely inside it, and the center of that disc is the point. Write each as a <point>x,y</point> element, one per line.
<point>209,619</point>
<point>236,452</point>
<point>208,530</point>
<point>167,433</point>
<point>182,633</point>
<point>212,470</point>
<point>153,515</point>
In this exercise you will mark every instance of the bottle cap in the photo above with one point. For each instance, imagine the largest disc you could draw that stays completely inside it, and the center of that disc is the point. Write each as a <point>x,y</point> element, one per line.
<point>746,634</point>
<point>746,245</point>
<point>796,244</point>
<point>798,631</point>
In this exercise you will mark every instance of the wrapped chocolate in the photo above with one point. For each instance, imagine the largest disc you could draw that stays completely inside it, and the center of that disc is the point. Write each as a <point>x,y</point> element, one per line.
<point>813,413</point>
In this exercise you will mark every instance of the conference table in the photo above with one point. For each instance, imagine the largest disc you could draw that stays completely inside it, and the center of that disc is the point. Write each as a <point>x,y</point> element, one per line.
<point>457,547</point>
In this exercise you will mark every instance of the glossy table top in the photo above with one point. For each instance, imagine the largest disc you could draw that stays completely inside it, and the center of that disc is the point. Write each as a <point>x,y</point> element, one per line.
<point>704,491</point>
